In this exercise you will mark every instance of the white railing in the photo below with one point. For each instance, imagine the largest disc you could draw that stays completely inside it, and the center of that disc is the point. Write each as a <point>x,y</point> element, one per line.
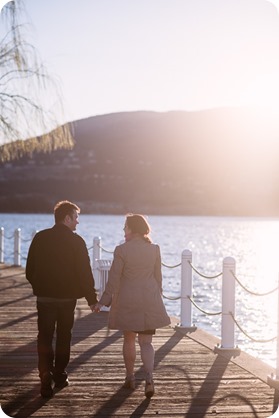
<point>101,277</point>
<point>18,240</point>
<point>228,320</point>
<point>101,267</point>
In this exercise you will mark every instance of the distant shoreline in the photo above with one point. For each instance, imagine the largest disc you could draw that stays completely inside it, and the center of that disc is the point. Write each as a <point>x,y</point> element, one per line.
<point>239,216</point>
<point>213,163</point>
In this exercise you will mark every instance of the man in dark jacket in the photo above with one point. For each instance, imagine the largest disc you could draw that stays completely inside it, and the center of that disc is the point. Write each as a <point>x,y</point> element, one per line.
<point>58,268</point>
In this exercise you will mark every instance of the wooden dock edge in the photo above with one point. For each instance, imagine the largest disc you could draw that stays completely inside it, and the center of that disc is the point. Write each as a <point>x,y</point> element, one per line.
<point>242,359</point>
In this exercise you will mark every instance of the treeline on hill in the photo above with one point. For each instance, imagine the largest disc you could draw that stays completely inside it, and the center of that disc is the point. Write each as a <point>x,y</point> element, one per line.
<point>214,162</point>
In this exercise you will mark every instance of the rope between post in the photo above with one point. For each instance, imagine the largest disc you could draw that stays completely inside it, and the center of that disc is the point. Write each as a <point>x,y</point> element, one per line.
<point>7,237</point>
<point>103,249</point>
<point>249,291</point>
<point>205,312</point>
<point>171,297</point>
<point>248,336</point>
<point>203,275</point>
<point>26,240</point>
<point>171,267</point>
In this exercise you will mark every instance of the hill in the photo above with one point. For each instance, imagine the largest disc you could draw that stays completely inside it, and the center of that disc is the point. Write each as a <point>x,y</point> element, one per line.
<point>212,162</point>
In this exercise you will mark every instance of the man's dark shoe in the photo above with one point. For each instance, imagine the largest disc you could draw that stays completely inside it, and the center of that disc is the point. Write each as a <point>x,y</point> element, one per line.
<point>62,384</point>
<point>61,380</point>
<point>46,385</point>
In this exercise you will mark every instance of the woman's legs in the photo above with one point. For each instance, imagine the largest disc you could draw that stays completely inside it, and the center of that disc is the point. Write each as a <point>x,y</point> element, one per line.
<point>147,354</point>
<point>129,352</point>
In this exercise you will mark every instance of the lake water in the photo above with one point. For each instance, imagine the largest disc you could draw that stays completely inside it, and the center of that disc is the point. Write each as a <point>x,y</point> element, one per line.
<point>252,242</point>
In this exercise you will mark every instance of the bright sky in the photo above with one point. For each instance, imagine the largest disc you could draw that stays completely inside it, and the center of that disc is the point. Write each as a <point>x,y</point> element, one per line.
<point>123,55</point>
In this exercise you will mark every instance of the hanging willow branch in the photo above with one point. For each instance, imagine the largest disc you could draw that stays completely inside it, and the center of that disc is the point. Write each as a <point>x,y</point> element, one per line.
<point>30,100</point>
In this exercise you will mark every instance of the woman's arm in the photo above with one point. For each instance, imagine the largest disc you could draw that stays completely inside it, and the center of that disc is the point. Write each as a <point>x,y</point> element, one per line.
<point>158,268</point>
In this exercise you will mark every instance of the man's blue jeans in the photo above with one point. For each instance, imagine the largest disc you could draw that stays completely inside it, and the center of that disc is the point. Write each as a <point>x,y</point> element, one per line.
<point>54,314</point>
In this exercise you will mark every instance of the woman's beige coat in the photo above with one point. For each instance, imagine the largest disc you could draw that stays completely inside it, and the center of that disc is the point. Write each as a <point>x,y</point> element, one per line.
<point>134,288</point>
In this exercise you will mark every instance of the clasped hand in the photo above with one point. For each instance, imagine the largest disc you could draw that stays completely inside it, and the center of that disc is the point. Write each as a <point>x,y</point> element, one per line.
<point>96,308</point>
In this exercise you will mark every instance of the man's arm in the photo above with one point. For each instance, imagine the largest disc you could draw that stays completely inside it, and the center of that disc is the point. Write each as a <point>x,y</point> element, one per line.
<point>30,263</point>
<point>84,273</point>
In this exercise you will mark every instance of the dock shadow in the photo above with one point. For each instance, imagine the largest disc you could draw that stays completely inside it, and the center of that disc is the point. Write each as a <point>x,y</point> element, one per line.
<point>18,320</point>
<point>121,395</point>
<point>22,368</point>
<point>92,351</point>
<point>167,347</point>
<point>209,387</point>
<point>140,410</point>
<point>13,285</point>
<point>13,302</point>
<point>241,398</point>
<point>25,408</point>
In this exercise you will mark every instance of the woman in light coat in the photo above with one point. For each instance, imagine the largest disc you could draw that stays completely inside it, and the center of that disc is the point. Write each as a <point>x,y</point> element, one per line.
<point>134,292</point>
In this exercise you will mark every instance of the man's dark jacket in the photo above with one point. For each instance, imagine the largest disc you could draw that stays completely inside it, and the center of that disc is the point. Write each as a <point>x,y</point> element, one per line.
<point>58,265</point>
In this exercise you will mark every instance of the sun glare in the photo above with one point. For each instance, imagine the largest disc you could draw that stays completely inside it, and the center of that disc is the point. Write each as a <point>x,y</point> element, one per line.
<point>266,273</point>
<point>264,92</point>
<point>275,2</point>
<point>267,242</point>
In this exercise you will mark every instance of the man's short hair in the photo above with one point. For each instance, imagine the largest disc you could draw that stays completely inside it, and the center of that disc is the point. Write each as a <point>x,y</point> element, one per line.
<point>64,208</point>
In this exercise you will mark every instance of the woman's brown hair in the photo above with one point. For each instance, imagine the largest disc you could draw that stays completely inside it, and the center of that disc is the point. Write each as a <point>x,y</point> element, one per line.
<point>138,225</point>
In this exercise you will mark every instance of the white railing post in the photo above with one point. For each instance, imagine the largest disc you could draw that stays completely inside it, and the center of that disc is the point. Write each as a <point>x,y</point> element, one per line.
<point>97,255</point>
<point>186,291</point>
<point>1,245</point>
<point>103,271</point>
<point>228,305</point>
<point>17,247</point>
<point>273,380</point>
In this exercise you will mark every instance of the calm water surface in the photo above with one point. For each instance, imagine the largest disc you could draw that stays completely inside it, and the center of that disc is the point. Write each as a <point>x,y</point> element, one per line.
<point>253,242</point>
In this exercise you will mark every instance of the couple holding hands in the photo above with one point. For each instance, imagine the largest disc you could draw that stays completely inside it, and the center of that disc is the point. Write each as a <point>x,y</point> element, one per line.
<point>58,269</point>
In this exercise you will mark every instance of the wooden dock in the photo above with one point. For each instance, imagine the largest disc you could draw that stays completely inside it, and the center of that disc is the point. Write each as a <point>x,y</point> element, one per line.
<point>191,380</point>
